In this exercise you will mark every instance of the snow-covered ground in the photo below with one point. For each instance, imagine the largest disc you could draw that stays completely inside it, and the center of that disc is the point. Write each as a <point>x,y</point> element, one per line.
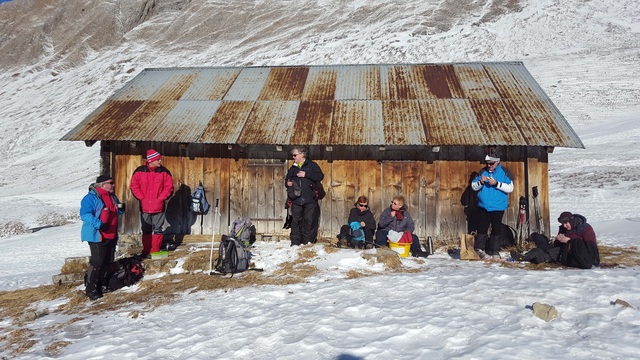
<point>585,55</point>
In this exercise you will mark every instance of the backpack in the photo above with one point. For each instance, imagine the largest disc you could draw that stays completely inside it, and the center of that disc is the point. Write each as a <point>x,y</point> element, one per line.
<point>199,203</point>
<point>319,189</point>
<point>357,232</point>
<point>243,230</point>
<point>232,256</point>
<point>580,254</point>
<point>123,272</point>
<point>509,236</point>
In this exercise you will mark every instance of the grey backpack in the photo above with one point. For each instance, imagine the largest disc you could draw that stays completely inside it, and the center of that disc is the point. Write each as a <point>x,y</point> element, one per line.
<point>232,256</point>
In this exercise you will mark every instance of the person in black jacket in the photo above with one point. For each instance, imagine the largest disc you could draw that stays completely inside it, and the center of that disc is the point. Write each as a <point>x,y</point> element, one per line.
<point>303,197</point>
<point>360,214</point>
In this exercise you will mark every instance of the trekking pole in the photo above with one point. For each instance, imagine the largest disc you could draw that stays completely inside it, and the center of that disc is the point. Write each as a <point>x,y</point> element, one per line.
<point>213,236</point>
<point>521,220</point>
<point>536,206</point>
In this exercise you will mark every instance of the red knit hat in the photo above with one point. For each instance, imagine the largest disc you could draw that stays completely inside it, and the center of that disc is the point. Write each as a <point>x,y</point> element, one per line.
<point>153,155</point>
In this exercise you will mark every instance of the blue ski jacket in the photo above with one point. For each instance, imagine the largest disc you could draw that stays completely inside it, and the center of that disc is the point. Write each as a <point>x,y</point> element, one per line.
<point>490,197</point>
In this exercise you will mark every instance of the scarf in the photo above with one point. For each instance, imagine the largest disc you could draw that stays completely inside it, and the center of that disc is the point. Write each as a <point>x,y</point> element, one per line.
<point>109,214</point>
<point>399,214</point>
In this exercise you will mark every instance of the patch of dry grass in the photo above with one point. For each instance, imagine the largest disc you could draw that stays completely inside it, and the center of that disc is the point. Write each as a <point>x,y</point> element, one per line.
<point>17,302</point>
<point>199,260</point>
<point>18,341</point>
<point>56,347</point>
<point>619,257</point>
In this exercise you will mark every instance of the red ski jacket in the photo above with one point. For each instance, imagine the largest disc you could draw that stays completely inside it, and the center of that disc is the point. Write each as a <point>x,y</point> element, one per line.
<point>151,188</point>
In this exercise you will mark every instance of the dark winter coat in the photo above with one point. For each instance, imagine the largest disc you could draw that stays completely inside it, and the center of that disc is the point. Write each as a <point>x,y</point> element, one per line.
<point>302,191</point>
<point>580,229</point>
<point>388,222</point>
<point>362,216</point>
<point>151,188</point>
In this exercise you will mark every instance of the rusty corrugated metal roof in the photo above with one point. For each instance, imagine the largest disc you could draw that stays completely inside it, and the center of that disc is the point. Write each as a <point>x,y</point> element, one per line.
<point>495,103</point>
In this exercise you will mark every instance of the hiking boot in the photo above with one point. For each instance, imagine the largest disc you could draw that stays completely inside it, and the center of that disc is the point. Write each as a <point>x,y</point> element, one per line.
<point>516,256</point>
<point>420,254</point>
<point>94,295</point>
<point>368,246</point>
<point>342,242</point>
<point>480,253</point>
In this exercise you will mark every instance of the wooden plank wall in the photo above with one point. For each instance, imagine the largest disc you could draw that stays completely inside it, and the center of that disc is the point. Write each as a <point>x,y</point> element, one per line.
<point>254,188</point>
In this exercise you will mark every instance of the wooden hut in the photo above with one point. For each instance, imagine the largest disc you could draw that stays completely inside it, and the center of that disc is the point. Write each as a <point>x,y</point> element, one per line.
<point>419,130</point>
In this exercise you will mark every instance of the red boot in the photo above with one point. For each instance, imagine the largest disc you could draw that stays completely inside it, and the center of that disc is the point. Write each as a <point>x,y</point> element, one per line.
<point>156,242</point>
<point>146,244</point>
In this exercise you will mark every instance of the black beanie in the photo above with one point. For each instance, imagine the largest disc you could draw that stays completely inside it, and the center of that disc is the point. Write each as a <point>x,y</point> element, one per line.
<point>103,178</point>
<point>565,217</point>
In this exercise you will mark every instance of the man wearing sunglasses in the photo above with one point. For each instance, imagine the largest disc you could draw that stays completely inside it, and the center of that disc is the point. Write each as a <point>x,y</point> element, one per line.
<point>99,211</point>
<point>493,184</point>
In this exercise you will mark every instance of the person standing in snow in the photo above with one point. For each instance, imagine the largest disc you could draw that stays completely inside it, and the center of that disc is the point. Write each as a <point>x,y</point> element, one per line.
<point>99,211</point>
<point>302,197</point>
<point>397,218</point>
<point>152,185</point>
<point>574,231</point>
<point>360,214</point>
<point>493,184</point>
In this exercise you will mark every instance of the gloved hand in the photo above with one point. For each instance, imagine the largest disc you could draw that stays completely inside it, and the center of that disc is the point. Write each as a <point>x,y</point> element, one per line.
<point>104,227</point>
<point>122,207</point>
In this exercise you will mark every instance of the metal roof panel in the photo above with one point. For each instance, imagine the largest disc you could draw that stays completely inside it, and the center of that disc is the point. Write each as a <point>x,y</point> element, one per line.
<point>186,121</point>
<point>475,82</point>
<point>270,122</point>
<point>211,84</point>
<point>227,123</point>
<point>403,123</point>
<point>313,123</point>
<point>357,123</point>
<point>360,82</point>
<point>248,84</point>
<point>451,122</point>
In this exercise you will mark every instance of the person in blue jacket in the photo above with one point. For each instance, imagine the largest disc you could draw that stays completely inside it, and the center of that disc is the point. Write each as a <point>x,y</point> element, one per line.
<point>99,211</point>
<point>493,184</point>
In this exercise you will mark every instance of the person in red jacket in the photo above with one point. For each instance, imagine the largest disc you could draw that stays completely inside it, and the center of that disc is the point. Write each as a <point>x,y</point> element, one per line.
<point>152,185</point>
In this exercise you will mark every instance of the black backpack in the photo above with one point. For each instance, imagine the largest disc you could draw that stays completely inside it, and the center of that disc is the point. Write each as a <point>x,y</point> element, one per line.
<point>580,254</point>
<point>123,272</point>
<point>319,189</point>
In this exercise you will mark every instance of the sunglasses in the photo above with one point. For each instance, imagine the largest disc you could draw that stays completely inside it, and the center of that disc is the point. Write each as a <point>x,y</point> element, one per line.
<point>490,163</point>
<point>364,206</point>
<point>110,182</point>
<point>294,155</point>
